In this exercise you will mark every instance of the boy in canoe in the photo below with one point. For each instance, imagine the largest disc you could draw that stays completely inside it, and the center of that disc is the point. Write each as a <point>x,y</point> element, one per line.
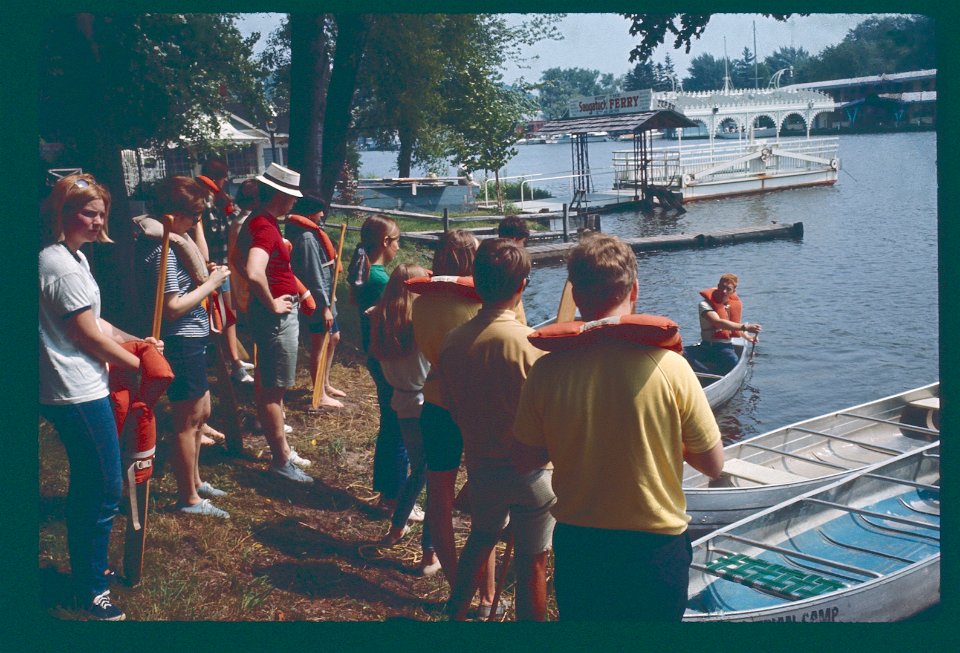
<point>494,349</point>
<point>617,416</point>
<point>720,313</point>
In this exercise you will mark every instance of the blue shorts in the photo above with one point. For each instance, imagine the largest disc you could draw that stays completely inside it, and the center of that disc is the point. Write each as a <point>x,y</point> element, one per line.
<point>320,327</point>
<point>442,441</point>
<point>188,360</point>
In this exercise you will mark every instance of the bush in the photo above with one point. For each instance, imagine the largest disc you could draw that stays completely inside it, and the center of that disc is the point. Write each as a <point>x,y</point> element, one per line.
<point>511,191</point>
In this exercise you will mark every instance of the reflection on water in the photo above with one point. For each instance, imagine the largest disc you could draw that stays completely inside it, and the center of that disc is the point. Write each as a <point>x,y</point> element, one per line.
<point>835,306</point>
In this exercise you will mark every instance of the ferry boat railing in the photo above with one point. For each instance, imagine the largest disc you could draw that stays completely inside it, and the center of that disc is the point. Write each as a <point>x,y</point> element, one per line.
<point>667,166</point>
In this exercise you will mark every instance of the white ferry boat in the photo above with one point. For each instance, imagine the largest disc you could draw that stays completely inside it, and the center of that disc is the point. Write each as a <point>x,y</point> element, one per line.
<point>720,166</point>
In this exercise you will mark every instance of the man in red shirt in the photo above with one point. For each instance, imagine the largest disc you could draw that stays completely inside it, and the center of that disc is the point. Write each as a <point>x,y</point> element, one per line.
<point>273,311</point>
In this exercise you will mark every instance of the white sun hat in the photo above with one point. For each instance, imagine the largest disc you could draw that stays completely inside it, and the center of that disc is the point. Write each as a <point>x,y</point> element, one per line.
<point>283,179</point>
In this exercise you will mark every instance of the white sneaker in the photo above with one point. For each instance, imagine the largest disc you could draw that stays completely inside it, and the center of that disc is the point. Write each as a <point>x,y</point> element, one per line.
<point>416,514</point>
<point>245,365</point>
<point>290,471</point>
<point>298,460</point>
<point>287,429</point>
<point>240,375</point>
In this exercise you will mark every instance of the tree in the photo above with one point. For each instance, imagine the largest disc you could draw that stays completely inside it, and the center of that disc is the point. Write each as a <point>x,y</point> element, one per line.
<point>794,59</point>
<point>489,116</point>
<point>642,76</point>
<point>889,44</point>
<point>558,86</point>
<point>653,29</point>
<point>705,74</point>
<point>402,70</point>
<point>111,82</point>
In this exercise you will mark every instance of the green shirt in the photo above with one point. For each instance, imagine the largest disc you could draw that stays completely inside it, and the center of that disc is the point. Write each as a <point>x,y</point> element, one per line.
<point>368,295</point>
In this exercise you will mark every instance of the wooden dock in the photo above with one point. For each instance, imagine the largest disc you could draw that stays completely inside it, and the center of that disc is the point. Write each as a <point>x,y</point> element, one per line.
<point>558,251</point>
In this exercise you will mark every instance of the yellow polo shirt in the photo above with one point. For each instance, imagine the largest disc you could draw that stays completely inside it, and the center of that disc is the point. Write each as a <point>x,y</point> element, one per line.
<point>483,365</point>
<point>434,316</point>
<point>614,418</point>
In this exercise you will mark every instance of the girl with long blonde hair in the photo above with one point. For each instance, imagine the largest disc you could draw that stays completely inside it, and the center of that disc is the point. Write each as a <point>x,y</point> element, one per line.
<point>405,368</point>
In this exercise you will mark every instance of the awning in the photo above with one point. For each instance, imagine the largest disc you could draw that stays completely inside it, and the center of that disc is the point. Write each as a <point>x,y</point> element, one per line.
<point>629,122</point>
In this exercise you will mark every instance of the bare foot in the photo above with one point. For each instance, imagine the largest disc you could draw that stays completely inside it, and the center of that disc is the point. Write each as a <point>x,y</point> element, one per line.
<point>210,432</point>
<point>204,440</point>
<point>334,392</point>
<point>330,402</point>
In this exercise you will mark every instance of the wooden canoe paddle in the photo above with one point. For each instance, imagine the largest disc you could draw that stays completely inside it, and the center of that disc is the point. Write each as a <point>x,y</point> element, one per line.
<point>567,310</point>
<point>135,540</point>
<point>319,377</point>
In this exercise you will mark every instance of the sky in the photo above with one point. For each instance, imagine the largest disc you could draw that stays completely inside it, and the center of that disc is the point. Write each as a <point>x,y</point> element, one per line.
<point>602,42</point>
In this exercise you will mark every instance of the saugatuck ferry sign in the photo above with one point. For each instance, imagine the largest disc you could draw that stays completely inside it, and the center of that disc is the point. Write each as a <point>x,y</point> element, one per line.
<point>610,105</point>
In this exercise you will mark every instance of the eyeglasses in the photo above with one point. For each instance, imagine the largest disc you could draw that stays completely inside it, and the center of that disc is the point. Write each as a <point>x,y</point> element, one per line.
<point>81,183</point>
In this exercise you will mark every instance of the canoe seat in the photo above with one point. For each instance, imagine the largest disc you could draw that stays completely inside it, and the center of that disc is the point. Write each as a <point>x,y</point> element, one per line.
<point>759,473</point>
<point>926,403</point>
<point>772,578</point>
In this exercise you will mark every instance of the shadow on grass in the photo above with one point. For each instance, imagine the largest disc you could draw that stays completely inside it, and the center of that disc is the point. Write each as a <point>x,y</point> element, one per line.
<point>325,580</point>
<point>315,578</point>
<point>52,508</point>
<point>56,589</point>
<point>317,495</point>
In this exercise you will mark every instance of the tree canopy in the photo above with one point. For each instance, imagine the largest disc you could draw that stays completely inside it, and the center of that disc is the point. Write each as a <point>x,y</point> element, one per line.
<point>558,86</point>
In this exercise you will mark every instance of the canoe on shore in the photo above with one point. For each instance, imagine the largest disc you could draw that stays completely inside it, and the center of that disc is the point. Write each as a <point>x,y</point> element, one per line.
<point>865,548</point>
<point>777,465</point>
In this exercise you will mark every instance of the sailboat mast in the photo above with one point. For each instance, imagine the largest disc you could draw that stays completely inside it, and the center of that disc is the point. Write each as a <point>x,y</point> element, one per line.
<point>756,75</point>
<point>726,70</point>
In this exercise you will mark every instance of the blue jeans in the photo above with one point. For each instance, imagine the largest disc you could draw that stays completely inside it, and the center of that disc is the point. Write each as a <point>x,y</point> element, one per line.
<point>413,441</point>
<point>89,434</point>
<point>715,358</point>
<point>389,456</point>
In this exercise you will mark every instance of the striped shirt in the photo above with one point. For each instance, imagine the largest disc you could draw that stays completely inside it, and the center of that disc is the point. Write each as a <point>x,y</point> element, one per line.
<point>193,324</point>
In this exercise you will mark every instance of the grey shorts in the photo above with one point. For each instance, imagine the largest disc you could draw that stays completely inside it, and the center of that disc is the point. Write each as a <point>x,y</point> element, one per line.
<point>276,337</point>
<point>499,492</point>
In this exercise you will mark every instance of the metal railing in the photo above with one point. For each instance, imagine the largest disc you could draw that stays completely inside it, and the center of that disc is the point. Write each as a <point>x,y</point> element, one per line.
<point>667,166</point>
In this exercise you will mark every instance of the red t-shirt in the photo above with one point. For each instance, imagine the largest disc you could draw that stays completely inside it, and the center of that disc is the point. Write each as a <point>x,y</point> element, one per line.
<point>265,234</point>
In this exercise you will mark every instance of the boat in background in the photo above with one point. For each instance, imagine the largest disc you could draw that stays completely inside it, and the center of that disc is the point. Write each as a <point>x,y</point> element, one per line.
<point>863,549</point>
<point>775,466</point>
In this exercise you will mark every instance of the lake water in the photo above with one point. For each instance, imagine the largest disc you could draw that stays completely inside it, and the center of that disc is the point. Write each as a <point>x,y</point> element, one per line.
<point>849,312</point>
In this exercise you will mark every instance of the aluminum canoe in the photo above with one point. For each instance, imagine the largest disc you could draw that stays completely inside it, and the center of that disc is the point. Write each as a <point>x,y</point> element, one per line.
<point>772,467</point>
<point>865,548</point>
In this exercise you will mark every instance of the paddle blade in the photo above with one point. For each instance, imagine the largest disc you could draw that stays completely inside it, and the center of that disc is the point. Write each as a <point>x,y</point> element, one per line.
<point>568,308</point>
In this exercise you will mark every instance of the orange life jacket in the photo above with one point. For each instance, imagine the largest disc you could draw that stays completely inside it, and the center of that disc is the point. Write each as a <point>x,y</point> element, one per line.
<point>307,303</point>
<point>643,329</point>
<point>211,185</point>
<point>732,311</point>
<point>133,404</point>
<point>460,286</point>
<point>325,242</point>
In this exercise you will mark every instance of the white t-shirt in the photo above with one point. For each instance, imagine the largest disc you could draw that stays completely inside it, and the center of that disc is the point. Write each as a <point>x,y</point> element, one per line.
<point>68,375</point>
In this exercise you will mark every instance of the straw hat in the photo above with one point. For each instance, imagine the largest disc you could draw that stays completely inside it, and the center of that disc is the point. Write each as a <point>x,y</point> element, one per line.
<point>283,179</point>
